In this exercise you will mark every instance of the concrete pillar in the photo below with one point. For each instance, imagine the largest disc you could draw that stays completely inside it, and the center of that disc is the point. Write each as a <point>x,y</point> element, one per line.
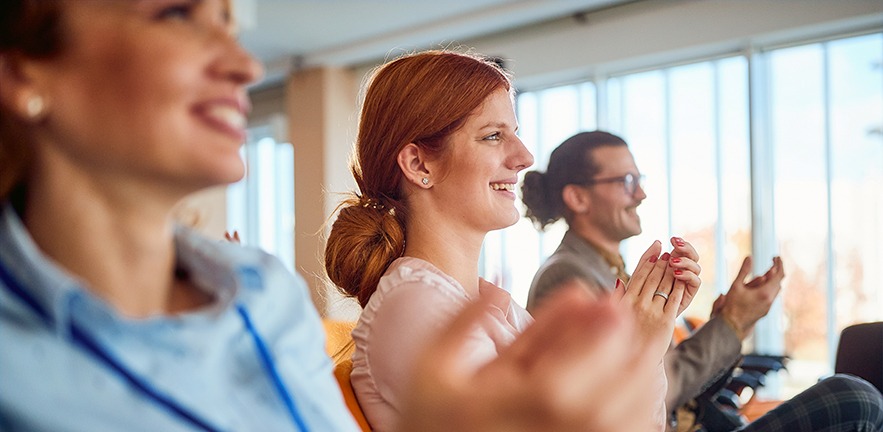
<point>322,107</point>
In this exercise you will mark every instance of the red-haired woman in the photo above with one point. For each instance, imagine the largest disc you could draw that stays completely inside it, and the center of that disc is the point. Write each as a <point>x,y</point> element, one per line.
<point>437,159</point>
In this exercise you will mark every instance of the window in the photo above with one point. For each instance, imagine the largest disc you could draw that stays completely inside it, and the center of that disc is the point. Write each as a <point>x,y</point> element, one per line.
<point>261,205</point>
<point>688,129</point>
<point>817,120</point>
<point>826,106</point>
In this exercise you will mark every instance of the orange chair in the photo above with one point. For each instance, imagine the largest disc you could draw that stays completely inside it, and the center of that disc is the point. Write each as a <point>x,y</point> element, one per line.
<point>342,373</point>
<point>339,346</point>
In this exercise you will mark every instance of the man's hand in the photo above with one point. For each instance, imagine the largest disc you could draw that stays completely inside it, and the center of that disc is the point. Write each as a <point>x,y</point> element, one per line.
<point>747,302</point>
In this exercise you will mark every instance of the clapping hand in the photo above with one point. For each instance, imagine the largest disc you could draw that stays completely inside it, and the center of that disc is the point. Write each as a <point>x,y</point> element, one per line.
<point>747,302</point>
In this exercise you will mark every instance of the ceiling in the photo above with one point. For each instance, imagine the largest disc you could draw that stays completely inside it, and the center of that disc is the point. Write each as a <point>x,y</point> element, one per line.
<point>285,33</point>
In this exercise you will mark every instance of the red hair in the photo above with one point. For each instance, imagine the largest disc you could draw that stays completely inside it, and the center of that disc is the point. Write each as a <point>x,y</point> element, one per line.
<point>419,98</point>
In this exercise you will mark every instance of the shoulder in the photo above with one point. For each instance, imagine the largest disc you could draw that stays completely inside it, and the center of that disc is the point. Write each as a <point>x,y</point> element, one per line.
<point>415,292</point>
<point>249,270</point>
<point>562,266</point>
<point>413,279</point>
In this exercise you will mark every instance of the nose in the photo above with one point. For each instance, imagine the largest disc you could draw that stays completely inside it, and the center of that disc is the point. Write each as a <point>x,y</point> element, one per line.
<point>236,64</point>
<point>639,194</point>
<point>521,157</point>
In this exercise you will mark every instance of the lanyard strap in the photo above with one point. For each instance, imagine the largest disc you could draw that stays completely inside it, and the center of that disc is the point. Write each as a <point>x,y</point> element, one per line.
<point>81,337</point>
<point>272,372</point>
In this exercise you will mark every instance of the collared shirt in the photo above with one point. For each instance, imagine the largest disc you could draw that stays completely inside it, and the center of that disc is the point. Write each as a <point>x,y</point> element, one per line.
<point>574,258</point>
<point>414,301</point>
<point>204,361</point>
<point>614,260</point>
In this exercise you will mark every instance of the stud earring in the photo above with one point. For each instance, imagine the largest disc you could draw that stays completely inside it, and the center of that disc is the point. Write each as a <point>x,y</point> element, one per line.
<point>34,107</point>
<point>425,181</point>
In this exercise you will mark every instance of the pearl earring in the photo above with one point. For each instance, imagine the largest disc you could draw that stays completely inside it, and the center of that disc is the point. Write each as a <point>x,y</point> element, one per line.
<point>425,181</point>
<point>34,106</point>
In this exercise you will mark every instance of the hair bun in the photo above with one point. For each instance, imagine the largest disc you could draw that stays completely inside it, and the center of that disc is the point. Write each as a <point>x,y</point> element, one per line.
<point>364,240</point>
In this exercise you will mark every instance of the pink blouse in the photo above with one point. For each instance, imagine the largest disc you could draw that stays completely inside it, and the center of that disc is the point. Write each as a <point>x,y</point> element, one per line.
<point>415,301</point>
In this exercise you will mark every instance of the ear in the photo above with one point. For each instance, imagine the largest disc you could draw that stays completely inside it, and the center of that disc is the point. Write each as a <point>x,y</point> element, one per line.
<point>412,162</point>
<point>576,198</point>
<point>20,92</point>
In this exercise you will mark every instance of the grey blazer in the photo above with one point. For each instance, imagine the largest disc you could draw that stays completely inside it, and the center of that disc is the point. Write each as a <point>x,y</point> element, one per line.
<point>691,366</point>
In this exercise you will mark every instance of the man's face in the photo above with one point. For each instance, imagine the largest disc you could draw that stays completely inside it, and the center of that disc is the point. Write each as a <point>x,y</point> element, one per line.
<point>613,206</point>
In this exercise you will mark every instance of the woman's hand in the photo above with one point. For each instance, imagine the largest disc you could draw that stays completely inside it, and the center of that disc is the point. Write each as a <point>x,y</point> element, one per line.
<point>654,295</point>
<point>684,261</point>
<point>575,369</point>
<point>232,238</point>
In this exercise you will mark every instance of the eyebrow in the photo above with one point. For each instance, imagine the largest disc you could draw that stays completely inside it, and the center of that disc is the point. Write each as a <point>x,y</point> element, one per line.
<point>497,125</point>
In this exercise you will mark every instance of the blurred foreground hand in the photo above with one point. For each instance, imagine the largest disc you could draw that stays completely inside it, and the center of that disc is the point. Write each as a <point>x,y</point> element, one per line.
<point>575,369</point>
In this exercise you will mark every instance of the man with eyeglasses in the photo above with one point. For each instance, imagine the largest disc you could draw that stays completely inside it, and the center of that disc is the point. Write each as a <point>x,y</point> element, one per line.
<point>593,183</point>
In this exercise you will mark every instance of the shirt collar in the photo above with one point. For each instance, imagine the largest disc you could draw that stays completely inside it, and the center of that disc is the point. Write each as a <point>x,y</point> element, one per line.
<point>584,246</point>
<point>30,275</point>
<point>51,292</point>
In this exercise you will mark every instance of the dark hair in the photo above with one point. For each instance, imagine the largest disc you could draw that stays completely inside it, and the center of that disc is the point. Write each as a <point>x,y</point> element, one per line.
<point>570,163</point>
<point>420,98</point>
<point>28,29</point>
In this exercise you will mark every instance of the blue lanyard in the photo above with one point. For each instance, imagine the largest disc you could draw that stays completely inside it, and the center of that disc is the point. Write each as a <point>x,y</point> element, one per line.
<point>83,339</point>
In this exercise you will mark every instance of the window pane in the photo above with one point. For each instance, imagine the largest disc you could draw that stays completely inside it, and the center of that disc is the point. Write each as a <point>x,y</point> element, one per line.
<point>644,122</point>
<point>688,129</point>
<point>856,129</point>
<point>827,102</point>
<point>734,217</point>
<point>693,170</point>
<point>798,137</point>
<point>261,205</point>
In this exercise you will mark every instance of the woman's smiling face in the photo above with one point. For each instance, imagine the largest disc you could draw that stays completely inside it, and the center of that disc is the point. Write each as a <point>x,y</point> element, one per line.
<point>147,90</point>
<point>481,167</point>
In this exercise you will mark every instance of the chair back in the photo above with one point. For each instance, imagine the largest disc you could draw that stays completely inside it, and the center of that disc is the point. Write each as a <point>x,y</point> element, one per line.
<point>342,373</point>
<point>339,346</point>
<point>860,352</point>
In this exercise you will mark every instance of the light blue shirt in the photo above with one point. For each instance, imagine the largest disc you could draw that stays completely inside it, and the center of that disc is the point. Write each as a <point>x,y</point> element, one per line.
<point>204,361</point>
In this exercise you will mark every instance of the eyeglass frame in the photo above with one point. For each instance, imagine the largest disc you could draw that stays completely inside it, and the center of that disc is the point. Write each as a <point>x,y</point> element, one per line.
<point>626,180</point>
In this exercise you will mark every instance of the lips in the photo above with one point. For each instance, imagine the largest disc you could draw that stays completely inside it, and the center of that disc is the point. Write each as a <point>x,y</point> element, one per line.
<point>230,116</point>
<point>503,186</point>
<point>227,117</point>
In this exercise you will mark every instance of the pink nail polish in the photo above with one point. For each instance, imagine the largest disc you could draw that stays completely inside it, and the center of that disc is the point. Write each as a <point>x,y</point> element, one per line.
<point>653,258</point>
<point>675,260</point>
<point>679,272</point>
<point>665,256</point>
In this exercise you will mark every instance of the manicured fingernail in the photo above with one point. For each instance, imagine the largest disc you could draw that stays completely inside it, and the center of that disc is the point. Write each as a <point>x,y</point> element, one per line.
<point>665,256</point>
<point>679,271</point>
<point>675,260</point>
<point>619,284</point>
<point>678,241</point>
<point>653,258</point>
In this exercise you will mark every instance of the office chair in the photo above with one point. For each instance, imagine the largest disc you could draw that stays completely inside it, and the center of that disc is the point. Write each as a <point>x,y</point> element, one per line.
<point>860,352</point>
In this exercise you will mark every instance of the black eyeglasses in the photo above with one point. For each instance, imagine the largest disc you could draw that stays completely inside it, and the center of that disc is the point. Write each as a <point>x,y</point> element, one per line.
<point>630,182</point>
